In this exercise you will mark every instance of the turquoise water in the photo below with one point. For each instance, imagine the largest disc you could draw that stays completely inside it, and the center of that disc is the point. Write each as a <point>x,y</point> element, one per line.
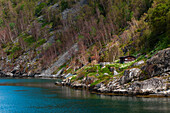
<point>42,96</point>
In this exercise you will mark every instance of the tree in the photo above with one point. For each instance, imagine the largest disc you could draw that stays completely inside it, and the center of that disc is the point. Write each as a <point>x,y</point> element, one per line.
<point>158,18</point>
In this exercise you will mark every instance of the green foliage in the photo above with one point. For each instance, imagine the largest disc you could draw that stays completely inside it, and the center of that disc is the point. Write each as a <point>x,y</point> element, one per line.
<point>73,78</point>
<point>40,42</point>
<point>1,22</point>
<point>29,40</point>
<point>15,48</point>
<point>81,75</point>
<point>63,66</point>
<point>96,82</point>
<point>81,37</point>
<point>164,43</point>
<point>93,31</point>
<point>91,69</point>
<point>22,7</point>
<point>105,70</point>
<point>64,5</point>
<point>38,9</point>
<point>58,41</point>
<point>12,25</point>
<point>92,74</point>
<point>158,18</point>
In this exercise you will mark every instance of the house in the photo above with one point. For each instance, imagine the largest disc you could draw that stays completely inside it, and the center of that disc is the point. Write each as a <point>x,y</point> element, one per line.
<point>126,59</point>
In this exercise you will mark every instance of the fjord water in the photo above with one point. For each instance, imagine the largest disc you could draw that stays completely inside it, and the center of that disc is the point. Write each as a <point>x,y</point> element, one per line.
<point>41,95</point>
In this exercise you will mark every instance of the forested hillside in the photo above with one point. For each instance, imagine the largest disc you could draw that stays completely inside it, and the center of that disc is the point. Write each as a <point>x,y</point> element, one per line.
<point>34,34</point>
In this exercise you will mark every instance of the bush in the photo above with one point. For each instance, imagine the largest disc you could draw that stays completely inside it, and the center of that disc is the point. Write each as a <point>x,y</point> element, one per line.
<point>91,69</point>
<point>1,22</point>
<point>12,25</point>
<point>64,5</point>
<point>29,40</point>
<point>40,42</point>
<point>15,48</point>
<point>81,75</point>
<point>158,18</point>
<point>105,70</point>
<point>38,9</point>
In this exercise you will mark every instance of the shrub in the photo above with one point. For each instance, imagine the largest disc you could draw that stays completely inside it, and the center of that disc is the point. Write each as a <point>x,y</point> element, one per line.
<point>15,48</point>
<point>29,40</point>
<point>91,69</point>
<point>81,75</point>
<point>158,18</point>
<point>12,25</point>
<point>40,42</point>
<point>1,22</point>
<point>38,9</point>
<point>64,5</point>
<point>105,70</point>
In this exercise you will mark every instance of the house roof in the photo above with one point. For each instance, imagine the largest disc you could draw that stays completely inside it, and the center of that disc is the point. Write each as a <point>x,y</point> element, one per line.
<point>126,57</point>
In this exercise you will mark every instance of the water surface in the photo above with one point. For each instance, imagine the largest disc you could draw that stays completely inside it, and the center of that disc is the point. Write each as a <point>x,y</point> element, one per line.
<point>41,95</point>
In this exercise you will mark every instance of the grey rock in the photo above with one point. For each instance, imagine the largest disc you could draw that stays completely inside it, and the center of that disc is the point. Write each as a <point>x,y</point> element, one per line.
<point>153,85</point>
<point>139,63</point>
<point>105,74</point>
<point>88,80</point>
<point>55,6</point>
<point>159,64</point>
<point>2,74</point>
<point>9,74</point>
<point>62,59</point>
<point>68,75</point>
<point>59,72</point>
<point>130,75</point>
<point>115,72</point>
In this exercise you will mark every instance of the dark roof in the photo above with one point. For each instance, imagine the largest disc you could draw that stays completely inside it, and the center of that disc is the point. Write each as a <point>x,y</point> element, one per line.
<point>127,56</point>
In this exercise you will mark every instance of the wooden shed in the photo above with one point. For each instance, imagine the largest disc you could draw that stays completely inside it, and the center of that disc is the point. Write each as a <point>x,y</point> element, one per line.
<point>126,59</point>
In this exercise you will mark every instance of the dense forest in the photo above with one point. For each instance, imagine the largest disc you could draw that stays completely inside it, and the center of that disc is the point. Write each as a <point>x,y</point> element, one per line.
<point>42,30</point>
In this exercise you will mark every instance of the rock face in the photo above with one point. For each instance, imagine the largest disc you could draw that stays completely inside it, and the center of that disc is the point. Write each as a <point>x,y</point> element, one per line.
<point>130,75</point>
<point>152,79</point>
<point>150,86</point>
<point>2,74</point>
<point>159,64</point>
<point>62,59</point>
<point>139,63</point>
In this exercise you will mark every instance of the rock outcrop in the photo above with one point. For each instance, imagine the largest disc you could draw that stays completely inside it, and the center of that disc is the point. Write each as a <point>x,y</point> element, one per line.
<point>130,75</point>
<point>149,79</point>
<point>159,64</point>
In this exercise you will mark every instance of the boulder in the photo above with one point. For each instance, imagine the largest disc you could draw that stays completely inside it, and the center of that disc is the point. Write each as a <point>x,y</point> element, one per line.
<point>60,72</point>
<point>115,72</point>
<point>2,74</point>
<point>31,74</point>
<point>130,75</point>
<point>58,83</point>
<point>88,80</point>
<point>159,64</point>
<point>105,74</point>
<point>9,74</point>
<point>139,63</point>
<point>77,84</point>
<point>153,85</point>
<point>68,75</point>
<point>103,88</point>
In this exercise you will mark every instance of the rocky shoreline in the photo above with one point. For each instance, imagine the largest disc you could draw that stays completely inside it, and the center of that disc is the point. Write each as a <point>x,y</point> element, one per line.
<point>150,80</point>
<point>147,88</point>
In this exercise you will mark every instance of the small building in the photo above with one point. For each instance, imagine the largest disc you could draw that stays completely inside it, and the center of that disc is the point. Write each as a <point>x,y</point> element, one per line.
<point>126,59</point>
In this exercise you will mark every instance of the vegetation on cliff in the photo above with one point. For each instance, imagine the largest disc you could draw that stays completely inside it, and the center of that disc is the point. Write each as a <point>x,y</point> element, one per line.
<point>34,34</point>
